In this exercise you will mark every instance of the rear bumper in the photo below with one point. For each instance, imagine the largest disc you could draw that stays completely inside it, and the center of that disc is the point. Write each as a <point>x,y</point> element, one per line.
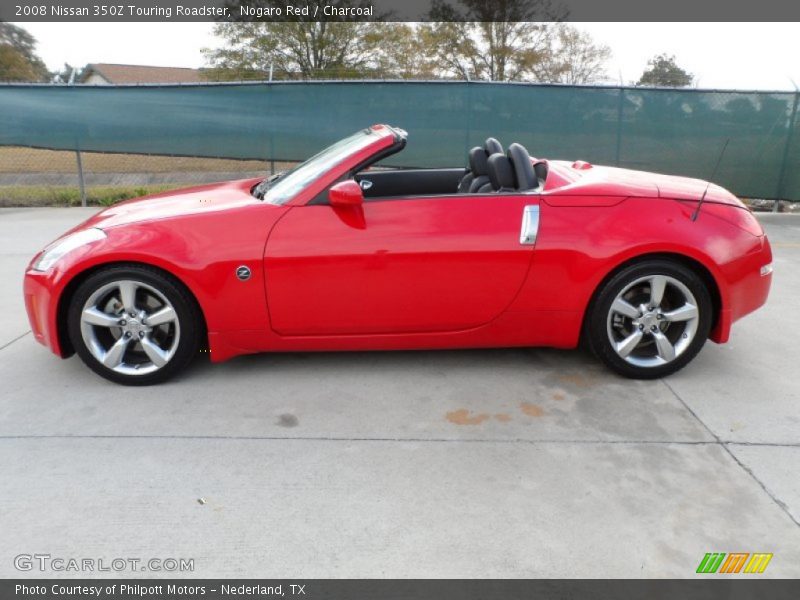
<point>748,284</point>
<point>41,306</point>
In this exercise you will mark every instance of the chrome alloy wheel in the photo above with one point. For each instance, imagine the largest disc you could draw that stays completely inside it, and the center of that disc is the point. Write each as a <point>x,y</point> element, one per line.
<point>130,327</point>
<point>652,321</point>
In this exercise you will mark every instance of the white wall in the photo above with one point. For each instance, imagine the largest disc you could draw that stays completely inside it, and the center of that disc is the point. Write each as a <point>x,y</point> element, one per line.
<point>95,79</point>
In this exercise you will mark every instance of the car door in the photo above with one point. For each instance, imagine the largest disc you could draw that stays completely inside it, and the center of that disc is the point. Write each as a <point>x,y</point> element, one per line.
<point>393,266</point>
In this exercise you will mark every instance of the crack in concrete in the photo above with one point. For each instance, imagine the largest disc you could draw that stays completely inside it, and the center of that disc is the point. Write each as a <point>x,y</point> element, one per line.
<point>16,339</point>
<point>278,438</point>
<point>724,445</point>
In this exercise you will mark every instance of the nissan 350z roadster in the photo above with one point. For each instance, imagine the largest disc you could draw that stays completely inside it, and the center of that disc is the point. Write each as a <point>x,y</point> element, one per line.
<point>341,254</point>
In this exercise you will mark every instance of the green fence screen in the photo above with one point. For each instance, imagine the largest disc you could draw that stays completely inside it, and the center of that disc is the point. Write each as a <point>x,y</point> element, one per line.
<point>670,131</point>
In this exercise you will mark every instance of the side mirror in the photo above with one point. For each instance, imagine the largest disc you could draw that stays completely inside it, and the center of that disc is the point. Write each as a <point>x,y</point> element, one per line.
<point>346,193</point>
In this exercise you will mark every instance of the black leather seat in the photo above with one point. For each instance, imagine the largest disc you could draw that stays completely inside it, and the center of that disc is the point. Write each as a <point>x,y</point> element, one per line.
<point>492,146</point>
<point>540,168</point>
<point>525,178</point>
<point>501,173</point>
<point>469,176</point>
<point>477,166</point>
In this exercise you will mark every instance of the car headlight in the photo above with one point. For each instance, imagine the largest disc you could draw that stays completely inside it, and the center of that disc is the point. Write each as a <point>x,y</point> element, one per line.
<point>58,249</point>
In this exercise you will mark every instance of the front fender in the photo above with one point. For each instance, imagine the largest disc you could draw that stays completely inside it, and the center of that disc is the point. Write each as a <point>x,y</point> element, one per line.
<point>203,252</point>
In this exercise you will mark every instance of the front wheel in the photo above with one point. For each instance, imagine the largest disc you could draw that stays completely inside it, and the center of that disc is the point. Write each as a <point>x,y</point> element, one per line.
<point>133,324</point>
<point>650,319</point>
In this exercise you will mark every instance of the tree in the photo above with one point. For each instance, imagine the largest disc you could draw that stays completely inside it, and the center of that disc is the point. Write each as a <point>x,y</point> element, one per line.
<point>663,71</point>
<point>503,40</point>
<point>305,48</point>
<point>574,59</point>
<point>18,59</point>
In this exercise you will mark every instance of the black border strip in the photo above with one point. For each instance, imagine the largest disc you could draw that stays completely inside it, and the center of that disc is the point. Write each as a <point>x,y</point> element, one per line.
<point>742,587</point>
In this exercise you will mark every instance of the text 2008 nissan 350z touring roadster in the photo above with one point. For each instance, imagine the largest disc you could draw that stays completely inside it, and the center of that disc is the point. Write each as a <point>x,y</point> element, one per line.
<point>335,255</point>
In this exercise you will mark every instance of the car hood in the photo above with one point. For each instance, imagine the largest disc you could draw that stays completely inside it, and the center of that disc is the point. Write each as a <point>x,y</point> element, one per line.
<point>178,203</point>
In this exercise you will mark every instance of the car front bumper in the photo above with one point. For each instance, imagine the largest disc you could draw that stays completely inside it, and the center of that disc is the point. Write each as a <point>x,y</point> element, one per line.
<point>41,304</point>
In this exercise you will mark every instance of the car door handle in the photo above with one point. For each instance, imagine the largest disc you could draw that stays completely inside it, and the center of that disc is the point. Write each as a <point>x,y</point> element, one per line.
<point>365,184</point>
<point>530,225</point>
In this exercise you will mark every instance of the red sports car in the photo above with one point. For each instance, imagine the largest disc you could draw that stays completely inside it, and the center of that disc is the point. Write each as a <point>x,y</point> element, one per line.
<point>340,254</point>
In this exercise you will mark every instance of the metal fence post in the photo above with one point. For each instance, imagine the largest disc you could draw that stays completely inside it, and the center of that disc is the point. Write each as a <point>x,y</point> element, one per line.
<point>786,147</point>
<point>271,130</point>
<point>468,131</point>
<point>81,182</point>
<point>271,153</point>
<point>619,125</point>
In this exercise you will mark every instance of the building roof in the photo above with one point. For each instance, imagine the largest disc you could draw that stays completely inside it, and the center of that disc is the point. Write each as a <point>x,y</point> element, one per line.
<point>142,74</point>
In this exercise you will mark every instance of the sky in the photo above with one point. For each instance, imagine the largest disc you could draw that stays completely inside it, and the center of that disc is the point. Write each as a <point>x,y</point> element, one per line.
<point>720,55</point>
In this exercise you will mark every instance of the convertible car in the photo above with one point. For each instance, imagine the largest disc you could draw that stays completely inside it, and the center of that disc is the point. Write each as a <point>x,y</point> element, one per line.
<point>341,254</point>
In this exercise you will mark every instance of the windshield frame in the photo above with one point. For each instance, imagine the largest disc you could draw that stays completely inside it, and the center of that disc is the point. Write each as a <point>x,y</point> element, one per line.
<point>289,185</point>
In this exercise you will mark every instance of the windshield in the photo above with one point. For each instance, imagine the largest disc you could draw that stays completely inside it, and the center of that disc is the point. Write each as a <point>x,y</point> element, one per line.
<point>283,188</point>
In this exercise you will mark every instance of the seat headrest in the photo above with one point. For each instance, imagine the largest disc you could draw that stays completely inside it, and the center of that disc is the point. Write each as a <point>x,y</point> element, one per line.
<point>540,168</point>
<point>477,161</point>
<point>501,173</point>
<point>492,146</point>
<point>523,169</point>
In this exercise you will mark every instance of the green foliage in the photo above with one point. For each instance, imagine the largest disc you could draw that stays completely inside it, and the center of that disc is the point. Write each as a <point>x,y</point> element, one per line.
<point>40,195</point>
<point>494,41</point>
<point>663,71</point>
<point>67,197</point>
<point>575,58</point>
<point>306,48</point>
<point>511,51</point>
<point>113,197</point>
<point>18,59</point>
<point>503,40</point>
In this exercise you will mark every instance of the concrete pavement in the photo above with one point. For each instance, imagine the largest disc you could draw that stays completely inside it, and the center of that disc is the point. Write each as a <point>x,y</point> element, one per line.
<point>490,463</point>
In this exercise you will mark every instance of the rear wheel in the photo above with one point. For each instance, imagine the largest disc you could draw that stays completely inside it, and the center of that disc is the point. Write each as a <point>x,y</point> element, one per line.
<point>134,325</point>
<point>650,319</point>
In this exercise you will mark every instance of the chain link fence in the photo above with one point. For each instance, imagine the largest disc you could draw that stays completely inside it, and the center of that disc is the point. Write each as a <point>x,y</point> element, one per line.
<point>39,177</point>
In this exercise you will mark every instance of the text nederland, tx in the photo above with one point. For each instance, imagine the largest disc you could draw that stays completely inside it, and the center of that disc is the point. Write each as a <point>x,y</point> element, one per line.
<point>99,591</point>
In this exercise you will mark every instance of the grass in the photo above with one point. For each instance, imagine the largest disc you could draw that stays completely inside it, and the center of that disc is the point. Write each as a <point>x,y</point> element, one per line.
<point>42,195</point>
<point>16,160</point>
<point>33,160</point>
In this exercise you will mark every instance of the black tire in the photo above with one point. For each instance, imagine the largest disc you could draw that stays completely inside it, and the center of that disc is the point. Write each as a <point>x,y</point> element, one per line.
<point>600,323</point>
<point>188,320</point>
